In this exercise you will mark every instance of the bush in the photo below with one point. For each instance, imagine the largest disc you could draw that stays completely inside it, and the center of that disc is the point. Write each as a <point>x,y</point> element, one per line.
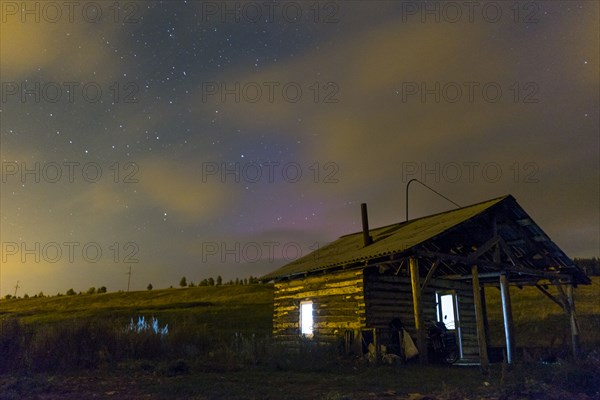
<point>67,346</point>
<point>88,344</point>
<point>13,339</point>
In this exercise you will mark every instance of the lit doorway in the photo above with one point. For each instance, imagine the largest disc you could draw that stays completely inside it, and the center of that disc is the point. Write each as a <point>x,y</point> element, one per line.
<point>447,312</point>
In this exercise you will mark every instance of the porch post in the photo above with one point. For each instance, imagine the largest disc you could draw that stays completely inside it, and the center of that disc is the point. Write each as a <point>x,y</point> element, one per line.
<point>574,324</point>
<point>418,309</point>
<point>486,324</point>
<point>481,336</point>
<point>507,314</point>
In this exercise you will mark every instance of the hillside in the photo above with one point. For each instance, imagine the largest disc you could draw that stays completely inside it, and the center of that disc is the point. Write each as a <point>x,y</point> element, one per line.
<point>228,309</point>
<point>222,308</point>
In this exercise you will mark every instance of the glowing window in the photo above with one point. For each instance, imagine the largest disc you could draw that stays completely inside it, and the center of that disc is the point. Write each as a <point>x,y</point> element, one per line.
<point>445,312</point>
<point>306,318</point>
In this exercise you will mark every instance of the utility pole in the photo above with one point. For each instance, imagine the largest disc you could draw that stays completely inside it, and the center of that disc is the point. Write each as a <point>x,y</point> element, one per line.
<point>128,278</point>
<point>16,288</point>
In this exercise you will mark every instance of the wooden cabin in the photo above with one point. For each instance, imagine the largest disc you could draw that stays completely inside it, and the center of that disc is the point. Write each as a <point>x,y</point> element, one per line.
<point>427,269</point>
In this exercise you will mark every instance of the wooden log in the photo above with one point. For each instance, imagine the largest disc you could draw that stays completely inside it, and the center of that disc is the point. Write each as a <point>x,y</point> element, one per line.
<point>574,324</point>
<point>481,336</point>
<point>418,309</point>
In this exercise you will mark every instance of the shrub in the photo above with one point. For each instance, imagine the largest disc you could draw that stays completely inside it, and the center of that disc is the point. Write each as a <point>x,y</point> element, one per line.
<point>13,338</point>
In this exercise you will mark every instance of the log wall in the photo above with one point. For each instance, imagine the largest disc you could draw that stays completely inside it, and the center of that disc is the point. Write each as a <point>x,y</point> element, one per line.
<point>338,305</point>
<point>388,297</point>
<point>358,299</point>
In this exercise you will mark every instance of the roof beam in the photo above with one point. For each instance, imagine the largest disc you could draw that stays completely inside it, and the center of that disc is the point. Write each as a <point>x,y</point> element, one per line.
<point>550,296</point>
<point>519,269</point>
<point>430,274</point>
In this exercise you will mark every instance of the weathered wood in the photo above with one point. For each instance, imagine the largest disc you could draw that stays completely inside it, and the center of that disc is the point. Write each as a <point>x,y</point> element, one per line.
<point>486,325</point>
<point>574,323</point>
<point>338,305</point>
<point>550,296</point>
<point>418,309</point>
<point>481,336</point>
<point>430,274</point>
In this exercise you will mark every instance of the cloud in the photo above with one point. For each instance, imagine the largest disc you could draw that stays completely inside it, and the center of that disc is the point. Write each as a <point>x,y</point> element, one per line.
<point>174,187</point>
<point>62,51</point>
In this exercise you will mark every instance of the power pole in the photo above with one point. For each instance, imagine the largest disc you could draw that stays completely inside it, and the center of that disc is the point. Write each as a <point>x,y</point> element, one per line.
<point>128,278</point>
<point>16,288</point>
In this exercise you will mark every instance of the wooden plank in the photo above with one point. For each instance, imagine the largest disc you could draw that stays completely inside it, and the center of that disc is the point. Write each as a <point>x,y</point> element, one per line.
<point>574,324</point>
<point>418,309</point>
<point>430,274</point>
<point>550,296</point>
<point>481,336</point>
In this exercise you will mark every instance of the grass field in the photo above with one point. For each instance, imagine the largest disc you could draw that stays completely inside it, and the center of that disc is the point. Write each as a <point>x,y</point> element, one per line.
<point>218,346</point>
<point>541,322</point>
<point>248,309</point>
<point>223,309</point>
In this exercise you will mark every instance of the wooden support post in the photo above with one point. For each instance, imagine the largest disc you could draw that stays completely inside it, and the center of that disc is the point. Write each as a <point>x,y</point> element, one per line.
<point>418,309</point>
<point>486,325</point>
<point>508,320</point>
<point>481,338</point>
<point>574,324</point>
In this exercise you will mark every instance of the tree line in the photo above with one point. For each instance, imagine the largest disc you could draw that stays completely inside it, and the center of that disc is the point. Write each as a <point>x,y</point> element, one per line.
<point>591,266</point>
<point>218,281</point>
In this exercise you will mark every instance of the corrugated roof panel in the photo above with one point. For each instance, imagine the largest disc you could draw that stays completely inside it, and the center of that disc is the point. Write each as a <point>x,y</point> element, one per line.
<point>389,239</point>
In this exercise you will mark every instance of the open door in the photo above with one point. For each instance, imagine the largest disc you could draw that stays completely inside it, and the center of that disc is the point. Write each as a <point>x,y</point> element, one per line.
<point>447,312</point>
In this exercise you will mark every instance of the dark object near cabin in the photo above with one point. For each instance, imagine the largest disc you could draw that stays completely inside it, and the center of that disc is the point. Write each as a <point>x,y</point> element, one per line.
<point>441,344</point>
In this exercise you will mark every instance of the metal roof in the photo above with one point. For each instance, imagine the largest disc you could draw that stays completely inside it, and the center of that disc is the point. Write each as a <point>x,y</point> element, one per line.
<point>389,239</point>
<point>466,225</point>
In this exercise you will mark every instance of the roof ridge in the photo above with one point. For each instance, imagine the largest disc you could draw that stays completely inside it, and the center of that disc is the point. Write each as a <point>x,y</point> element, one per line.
<point>496,199</point>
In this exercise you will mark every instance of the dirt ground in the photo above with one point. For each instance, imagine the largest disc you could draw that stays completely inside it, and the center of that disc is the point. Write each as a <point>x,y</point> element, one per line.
<point>254,384</point>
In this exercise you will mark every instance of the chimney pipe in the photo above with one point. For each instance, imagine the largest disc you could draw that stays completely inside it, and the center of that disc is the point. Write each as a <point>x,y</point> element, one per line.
<point>365,224</point>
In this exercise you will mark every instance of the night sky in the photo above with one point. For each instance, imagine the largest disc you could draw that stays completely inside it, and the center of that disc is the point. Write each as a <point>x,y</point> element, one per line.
<point>185,138</point>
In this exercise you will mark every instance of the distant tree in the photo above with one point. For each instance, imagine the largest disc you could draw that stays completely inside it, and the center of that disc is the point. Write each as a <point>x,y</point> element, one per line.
<point>101,289</point>
<point>245,281</point>
<point>192,284</point>
<point>230,282</point>
<point>204,282</point>
<point>183,282</point>
<point>149,287</point>
<point>71,292</point>
<point>211,281</point>
<point>219,280</point>
<point>91,290</point>
<point>25,296</point>
<point>8,297</point>
<point>41,294</point>
<point>237,281</point>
